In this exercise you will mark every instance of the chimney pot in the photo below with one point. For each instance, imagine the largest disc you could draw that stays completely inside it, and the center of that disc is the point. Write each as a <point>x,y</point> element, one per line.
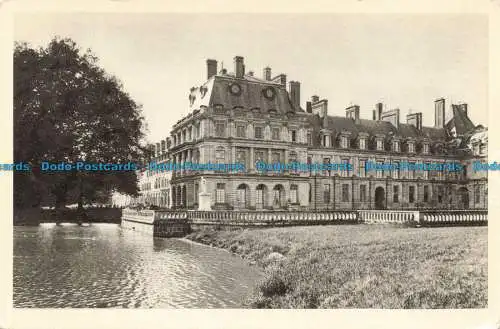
<point>250,73</point>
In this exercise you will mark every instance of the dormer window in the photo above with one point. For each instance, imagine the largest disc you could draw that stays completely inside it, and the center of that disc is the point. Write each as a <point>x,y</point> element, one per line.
<point>380,145</point>
<point>483,149</point>
<point>395,146</point>
<point>362,144</point>
<point>326,141</point>
<point>344,142</point>
<point>426,148</point>
<point>411,147</point>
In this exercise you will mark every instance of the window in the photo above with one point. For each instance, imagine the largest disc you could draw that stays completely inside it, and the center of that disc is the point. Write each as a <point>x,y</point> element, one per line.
<point>395,146</point>
<point>440,194</point>
<point>395,196</point>
<point>411,147</point>
<point>292,158</point>
<point>380,145</point>
<point>259,156</point>
<point>220,129</point>
<point>220,193</point>
<point>326,141</point>
<point>362,193</point>
<point>310,193</point>
<point>426,193</point>
<point>411,194</point>
<point>477,194</point>
<point>482,149</point>
<point>261,196</point>
<point>362,168</point>
<point>241,157</point>
<point>426,171</point>
<point>326,193</point>
<point>426,148</point>
<point>241,131</point>
<point>344,142</point>
<point>380,172</point>
<point>309,139</point>
<point>220,155</point>
<point>294,194</point>
<point>395,170</point>
<point>276,157</point>
<point>344,169</point>
<point>476,148</point>
<point>362,144</point>
<point>411,170</point>
<point>345,192</point>
<point>277,193</point>
<point>258,133</point>
<point>294,136</point>
<point>326,163</point>
<point>276,133</point>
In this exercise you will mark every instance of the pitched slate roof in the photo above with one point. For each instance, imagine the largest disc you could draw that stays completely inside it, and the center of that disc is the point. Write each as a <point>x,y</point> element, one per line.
<point>373,127</point>
<point>217,92</point>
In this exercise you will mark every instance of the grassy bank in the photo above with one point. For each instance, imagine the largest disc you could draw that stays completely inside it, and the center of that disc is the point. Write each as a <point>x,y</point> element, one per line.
<point>363,266</point>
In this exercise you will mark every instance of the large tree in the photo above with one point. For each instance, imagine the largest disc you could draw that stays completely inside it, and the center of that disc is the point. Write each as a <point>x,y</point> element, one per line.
<point>67,108</point>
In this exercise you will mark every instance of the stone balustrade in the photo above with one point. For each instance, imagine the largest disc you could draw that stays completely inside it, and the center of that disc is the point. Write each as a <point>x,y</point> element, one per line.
<point>259,218</point>
<point>282,218</point>
<point>454,217</point>
<point>389,216</point>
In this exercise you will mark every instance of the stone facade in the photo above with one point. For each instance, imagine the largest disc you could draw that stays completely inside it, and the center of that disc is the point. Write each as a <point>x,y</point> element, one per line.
<point>239,118</point>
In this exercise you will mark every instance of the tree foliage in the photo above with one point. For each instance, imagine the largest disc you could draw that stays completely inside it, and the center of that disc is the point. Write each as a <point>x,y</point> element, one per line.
<point>67,108</point>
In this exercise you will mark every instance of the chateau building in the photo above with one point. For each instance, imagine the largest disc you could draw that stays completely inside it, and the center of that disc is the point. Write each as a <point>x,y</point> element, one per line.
<point>241,118</point>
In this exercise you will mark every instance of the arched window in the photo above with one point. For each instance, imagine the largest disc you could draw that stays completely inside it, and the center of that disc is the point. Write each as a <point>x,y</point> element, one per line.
<point>260,200</point>
<point>278,194</point>
<point>243,196</point>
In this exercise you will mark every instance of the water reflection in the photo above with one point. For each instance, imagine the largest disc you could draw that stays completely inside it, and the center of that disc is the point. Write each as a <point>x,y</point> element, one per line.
<point>104,266</point>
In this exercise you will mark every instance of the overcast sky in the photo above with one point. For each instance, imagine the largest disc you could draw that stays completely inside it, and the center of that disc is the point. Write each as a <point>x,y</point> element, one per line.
<point>404,61</point>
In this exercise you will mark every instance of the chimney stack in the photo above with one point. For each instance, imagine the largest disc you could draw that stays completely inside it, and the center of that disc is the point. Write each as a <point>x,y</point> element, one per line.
<point>353,113</point>
<point>309,107</point>
<point>211,68</point>
<point>239,67</point>
<point>267,73</point>
<point>281,79</point>
<point>374,115</point>
<point>320,107</point>
<point>380,109</point>
<point>415,119</point>
<point>439,112</point>
<point>295,93</point>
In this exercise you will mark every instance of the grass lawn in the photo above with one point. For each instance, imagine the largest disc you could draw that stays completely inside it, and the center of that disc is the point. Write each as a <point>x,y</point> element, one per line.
<point>363,266</point>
